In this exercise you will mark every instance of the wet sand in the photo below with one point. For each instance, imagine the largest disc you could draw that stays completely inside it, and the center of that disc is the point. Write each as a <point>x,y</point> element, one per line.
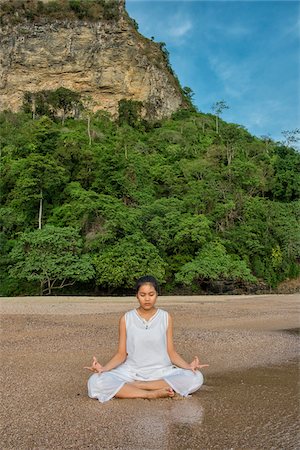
<point>250,398</point>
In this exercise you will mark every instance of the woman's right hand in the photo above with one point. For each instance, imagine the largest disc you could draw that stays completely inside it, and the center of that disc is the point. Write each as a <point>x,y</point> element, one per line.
<point>95,367</point>
<point>195,364</point>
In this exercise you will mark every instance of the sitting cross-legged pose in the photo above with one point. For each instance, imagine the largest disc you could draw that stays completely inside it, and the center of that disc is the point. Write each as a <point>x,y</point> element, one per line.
<point>146,364</point>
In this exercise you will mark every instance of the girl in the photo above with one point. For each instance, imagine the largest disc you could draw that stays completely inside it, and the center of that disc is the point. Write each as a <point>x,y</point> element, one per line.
<point>146,364</point>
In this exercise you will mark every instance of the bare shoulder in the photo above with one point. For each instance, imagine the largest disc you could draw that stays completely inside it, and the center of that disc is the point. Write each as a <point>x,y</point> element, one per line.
<point>169,319</point>
<point>169,315</point>
<point>122,320</point>
<point>165,311</point>
<point>122,325</point>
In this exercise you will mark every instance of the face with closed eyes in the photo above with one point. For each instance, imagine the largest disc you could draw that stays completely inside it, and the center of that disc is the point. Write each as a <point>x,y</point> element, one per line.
<point>147,296</point>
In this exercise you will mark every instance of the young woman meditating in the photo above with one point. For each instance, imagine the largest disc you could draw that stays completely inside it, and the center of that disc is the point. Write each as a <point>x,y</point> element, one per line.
<point>146,364</point>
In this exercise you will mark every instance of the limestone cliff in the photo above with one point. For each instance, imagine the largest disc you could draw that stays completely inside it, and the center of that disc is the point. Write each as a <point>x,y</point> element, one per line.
<point>104,59</point>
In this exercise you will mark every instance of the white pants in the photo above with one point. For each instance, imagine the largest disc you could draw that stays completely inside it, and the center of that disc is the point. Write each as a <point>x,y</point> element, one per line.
<point>104,386</point>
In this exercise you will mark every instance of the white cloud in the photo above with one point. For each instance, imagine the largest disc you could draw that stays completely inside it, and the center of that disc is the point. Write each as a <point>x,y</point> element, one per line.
<point>261,116</point>
<point>235,76</point>
<point>180,29</point>
<point>257,119</point>
<point>292,29</point>
<point>236,30</point>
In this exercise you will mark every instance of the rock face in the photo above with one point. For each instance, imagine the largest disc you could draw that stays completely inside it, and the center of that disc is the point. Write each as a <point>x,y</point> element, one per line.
<point>104,60</point>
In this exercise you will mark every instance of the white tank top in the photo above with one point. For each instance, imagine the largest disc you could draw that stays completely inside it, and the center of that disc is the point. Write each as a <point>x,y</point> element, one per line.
<point>146,342</point>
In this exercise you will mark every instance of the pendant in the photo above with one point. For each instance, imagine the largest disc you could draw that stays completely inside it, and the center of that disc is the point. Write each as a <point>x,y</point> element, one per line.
<point>145,323</point>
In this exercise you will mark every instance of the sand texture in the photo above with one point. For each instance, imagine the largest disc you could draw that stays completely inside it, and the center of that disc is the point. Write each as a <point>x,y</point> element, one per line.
<point>249,400</point>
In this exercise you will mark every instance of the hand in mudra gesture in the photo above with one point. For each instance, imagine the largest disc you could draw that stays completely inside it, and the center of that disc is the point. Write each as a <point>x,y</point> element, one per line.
<point>95,367</point>
<point>195,364</point>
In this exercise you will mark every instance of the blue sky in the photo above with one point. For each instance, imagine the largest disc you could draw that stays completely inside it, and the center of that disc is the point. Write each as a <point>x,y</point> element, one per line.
<point>244,52</point>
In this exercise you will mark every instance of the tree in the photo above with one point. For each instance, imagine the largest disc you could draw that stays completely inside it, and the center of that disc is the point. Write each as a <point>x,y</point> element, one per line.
<point>218,108</point>
<point>129,112</point>
<point>87,113</point>
<point>166,54</point>
<point>292,137</point>
<point>102,219</point>
<point>286,178</point>
<point>159,221</point>
<point>193,232</point>
<point>51,256</point>
<point>36,177</point>
<point>119,265</point>
<point>52,103</point>
<point>188,92</point>
<point>214,263</point>
<point>65,100</point>
<point>266,138</point>
<point>265,231</point>
<point>189,95</point>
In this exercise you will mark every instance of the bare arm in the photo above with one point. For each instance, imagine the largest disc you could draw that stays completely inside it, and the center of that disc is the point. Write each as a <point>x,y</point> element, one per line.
<point>121,354</point>
<point>175,357</point>
<point>118,358</point>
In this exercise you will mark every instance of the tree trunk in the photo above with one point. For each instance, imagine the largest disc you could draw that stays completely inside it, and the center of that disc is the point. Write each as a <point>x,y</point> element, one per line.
<point>89,129</point>
<point>49,287</point>
<point>41,210</point>
<point>33,107</point>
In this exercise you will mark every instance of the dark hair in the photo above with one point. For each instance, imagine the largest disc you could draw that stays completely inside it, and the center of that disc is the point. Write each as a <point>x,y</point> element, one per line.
<point>146,279</point>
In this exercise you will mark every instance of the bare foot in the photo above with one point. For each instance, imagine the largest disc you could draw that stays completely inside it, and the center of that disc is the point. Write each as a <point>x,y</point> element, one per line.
<point>161,393</point>
<point>150,385</point>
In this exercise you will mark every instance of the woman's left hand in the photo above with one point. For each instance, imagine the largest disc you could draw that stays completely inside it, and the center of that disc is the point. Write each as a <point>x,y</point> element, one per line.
<point>195,364</point>
<point>95,367</point>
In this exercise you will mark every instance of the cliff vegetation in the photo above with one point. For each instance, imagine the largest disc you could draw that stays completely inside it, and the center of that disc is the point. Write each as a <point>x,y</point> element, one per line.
<point>16,11</point>
<point>90,204</point>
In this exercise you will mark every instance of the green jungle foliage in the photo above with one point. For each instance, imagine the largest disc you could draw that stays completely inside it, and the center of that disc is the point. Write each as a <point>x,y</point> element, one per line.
<point>90,204</point>
<point>16,11</point>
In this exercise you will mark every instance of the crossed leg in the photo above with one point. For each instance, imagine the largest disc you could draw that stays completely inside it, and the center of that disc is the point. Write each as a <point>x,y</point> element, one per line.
<point>145,389</point>
<point>150,385</point>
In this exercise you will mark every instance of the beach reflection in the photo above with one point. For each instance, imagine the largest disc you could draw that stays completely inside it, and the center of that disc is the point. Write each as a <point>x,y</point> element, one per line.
<point>162,425</point>
<point>187,411</point>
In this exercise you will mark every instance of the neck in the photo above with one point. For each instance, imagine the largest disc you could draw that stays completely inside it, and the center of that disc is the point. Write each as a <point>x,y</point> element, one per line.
<point>146,312</point>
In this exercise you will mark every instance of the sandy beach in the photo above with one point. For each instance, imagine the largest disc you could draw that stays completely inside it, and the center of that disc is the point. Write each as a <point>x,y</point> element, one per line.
<point>249,400</point>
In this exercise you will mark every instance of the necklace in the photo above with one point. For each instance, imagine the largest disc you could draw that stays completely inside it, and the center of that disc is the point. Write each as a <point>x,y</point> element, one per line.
<point>145,322</point>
